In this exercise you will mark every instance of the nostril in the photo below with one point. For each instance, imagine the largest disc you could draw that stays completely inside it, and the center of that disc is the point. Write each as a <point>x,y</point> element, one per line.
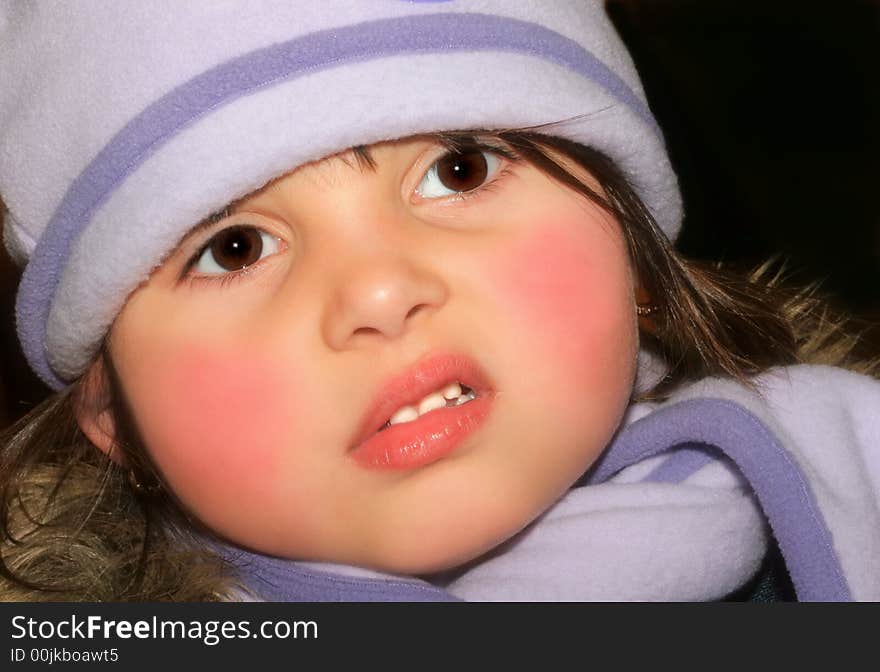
<point>415,309</point>
<point>389,325</point>
<point>366,331</point>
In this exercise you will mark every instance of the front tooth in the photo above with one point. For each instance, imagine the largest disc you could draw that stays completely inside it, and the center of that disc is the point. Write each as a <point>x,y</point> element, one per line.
<point>405,414</point>
<point>451,391</point>
<point>431,402</point>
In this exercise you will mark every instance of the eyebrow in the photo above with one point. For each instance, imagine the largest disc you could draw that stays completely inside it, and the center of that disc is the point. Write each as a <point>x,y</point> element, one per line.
<point>364,157</point>
<point>208,221</point>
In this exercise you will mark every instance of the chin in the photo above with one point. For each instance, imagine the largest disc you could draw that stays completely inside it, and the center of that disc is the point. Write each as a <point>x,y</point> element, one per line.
<point>422,564</point>
<point>416,555</point>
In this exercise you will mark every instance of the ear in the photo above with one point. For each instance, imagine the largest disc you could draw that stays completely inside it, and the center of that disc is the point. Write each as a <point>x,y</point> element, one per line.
<point>93,410</point>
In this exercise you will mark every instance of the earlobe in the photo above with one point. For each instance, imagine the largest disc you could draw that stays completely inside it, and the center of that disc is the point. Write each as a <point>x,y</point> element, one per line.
<point>93,410</point>
<point>645,309</point>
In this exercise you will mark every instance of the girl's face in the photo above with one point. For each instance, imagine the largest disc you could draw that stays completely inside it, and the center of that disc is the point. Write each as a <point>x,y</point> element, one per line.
<point>262,360</point>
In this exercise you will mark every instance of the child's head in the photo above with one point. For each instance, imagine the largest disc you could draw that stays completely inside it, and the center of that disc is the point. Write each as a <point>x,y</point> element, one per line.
<point>253,353</point>
<point>252,389</point>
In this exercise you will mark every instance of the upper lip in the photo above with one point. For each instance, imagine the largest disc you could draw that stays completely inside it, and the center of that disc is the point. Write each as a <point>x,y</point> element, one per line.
<point>427,375</point>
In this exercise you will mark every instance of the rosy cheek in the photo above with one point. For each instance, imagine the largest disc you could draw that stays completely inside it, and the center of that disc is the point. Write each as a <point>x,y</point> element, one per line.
<point>221,418</point>
<point>564,287</point>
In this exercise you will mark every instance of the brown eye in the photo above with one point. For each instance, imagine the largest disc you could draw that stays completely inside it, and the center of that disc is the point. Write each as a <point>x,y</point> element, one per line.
<point>234,249</point>
<point>458,172</point>
<point>462,172</point>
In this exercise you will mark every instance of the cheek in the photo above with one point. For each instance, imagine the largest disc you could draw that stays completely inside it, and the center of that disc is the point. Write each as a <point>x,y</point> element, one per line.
<point>567,291</point>
<point>221,419</point>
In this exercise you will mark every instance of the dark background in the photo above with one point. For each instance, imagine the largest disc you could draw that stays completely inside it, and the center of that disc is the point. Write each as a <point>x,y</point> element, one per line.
<point>770,109</point>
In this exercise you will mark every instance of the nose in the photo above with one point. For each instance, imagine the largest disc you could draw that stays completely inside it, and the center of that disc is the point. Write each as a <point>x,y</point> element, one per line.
<point>380,296</point>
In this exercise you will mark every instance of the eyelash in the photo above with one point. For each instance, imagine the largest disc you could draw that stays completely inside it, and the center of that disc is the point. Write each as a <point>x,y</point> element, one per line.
<point>220,280</point>
<point>223,280</point>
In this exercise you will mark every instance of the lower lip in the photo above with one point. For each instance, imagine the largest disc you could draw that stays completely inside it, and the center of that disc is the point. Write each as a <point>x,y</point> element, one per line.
<point>414,444</point>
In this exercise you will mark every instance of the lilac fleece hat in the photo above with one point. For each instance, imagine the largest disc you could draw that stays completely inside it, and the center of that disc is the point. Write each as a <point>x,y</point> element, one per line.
<point>124,124</point>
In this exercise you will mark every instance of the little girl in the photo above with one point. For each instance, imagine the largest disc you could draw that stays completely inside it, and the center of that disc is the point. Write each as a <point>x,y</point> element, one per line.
<point>352,300</point>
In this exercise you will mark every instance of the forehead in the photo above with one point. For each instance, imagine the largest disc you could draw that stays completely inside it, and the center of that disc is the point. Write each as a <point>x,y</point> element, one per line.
<point>330,171</point>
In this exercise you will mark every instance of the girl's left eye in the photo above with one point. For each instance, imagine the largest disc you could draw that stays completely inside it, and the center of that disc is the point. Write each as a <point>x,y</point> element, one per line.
<point>458,172</point>
<point>234,249</point>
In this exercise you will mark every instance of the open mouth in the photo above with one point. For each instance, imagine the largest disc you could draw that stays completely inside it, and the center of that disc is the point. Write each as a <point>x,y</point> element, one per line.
<point>423,413</point>
<point>454,394</point>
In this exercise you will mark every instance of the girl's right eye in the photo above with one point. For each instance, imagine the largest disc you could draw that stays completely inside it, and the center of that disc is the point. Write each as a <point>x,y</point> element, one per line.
<point>233,250</point>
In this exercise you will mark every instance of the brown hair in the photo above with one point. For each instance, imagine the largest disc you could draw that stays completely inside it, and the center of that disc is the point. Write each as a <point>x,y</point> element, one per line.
<point>74,527</point>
